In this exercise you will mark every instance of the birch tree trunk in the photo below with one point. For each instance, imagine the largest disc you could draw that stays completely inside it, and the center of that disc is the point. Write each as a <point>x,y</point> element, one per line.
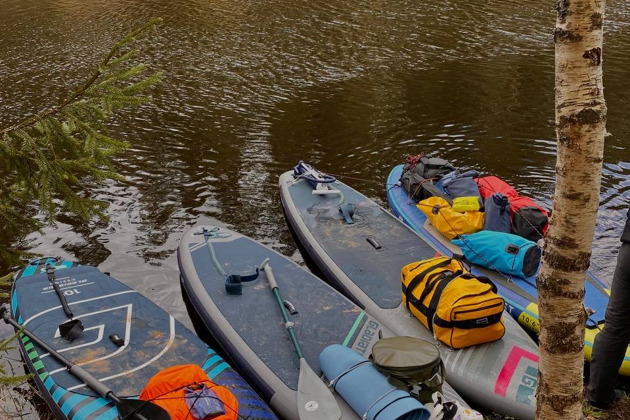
<point>580,131</point>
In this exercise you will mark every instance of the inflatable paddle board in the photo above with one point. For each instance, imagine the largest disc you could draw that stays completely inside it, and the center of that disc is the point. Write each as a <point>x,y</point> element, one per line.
<point>361,248</point>
<point>520,294</point>
<point>149,340</point>
<point>250,327</point>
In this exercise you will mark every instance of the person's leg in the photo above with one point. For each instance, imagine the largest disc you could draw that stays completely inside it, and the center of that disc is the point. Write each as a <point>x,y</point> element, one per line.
<point>611,343</point>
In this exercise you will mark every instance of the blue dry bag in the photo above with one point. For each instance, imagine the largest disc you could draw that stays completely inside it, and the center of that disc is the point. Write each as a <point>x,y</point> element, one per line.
<point>365,389</point>
<point>504,252</point>
<point>498,214</point>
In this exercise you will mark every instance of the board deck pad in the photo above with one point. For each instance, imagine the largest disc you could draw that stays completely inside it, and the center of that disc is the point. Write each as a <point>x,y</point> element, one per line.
<point>153,340</point>
<point>250,326</point>
<point>365,258</point>
<point>520,294</point>
<point>322,317</point>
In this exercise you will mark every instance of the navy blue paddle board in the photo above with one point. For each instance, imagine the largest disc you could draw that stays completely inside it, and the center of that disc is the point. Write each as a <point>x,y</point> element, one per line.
<point>152,340</point>
<point>250,327</point>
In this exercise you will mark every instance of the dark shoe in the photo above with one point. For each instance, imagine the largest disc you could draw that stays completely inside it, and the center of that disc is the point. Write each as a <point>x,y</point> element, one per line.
<point>619,394</point>
<point>600,405</point>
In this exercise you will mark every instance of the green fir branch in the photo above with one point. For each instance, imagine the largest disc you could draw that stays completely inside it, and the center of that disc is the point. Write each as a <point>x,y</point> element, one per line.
<point>5,380</point>
<point>46,158</point>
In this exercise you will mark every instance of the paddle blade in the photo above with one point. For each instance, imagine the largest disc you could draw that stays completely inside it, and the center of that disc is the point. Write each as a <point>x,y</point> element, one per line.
<point>139,409</point>
<point>315,400</point>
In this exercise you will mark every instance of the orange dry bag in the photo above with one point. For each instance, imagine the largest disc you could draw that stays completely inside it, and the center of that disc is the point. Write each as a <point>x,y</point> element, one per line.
<point>167,388</point>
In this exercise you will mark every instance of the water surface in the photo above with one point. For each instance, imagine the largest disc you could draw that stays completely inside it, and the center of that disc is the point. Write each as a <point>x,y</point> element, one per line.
<point>353,87</point>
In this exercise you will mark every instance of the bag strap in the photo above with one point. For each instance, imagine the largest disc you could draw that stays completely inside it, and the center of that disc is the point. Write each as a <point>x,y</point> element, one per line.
<point>408,382</point>
<point>419,277</point>
<point>480,279</point>
<point>470,324</point>
<point>333,383</point>
<point>444,275</point>
<point>435,299</point>
<point>386,405</point>
<point>431,281</point>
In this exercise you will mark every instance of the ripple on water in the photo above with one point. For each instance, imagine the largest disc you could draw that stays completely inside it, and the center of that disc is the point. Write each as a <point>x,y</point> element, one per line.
<point>252,87</point>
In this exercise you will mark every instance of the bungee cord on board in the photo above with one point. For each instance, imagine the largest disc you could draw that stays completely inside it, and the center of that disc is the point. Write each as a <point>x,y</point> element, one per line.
<point>489,264</point>
<point>179,388</point>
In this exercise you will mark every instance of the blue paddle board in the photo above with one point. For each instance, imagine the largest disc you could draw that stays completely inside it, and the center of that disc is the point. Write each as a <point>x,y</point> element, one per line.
<point>520,294</point>
<point>152,340</point>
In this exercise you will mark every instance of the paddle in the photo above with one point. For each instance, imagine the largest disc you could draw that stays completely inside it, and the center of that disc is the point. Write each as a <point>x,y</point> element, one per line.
<point>315,401</point>
<point>127,408</point>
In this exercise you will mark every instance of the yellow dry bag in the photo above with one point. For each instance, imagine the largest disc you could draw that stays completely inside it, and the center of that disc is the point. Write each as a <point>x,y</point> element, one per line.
<point>449,222</point>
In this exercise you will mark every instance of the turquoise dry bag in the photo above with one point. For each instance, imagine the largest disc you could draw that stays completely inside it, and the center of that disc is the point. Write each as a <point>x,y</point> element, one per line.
<point>504,252</point>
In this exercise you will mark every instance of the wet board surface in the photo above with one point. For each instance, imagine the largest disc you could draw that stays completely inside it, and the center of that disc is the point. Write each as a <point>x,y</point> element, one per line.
<point>520,294</point>
<point>250,327</point>
<point>501,376</point>
<point>153,340</point>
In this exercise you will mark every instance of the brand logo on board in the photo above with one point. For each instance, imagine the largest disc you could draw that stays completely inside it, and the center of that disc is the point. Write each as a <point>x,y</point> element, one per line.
<point>364,340</point>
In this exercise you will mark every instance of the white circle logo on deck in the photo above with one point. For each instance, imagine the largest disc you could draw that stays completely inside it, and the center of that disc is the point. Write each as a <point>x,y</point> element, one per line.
<point>311,406</point>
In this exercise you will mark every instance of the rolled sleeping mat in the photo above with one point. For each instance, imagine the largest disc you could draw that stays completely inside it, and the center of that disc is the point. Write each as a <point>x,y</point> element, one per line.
<point>365,389</point>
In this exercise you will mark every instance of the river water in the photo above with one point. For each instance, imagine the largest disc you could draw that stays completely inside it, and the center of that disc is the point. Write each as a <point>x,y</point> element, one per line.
<point>251,87</point>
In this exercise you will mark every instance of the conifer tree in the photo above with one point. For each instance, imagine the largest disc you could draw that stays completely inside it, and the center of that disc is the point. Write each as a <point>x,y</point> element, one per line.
<point>45,158</point>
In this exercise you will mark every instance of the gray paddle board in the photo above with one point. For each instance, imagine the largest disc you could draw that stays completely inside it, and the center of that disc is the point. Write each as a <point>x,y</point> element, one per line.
<point>250,328</point>
<point>364,261</point>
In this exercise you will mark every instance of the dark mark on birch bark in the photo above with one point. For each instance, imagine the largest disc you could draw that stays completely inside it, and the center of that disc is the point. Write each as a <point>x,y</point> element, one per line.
<point>565,36</point>
<point>563,10</point>
<point>594,55</point>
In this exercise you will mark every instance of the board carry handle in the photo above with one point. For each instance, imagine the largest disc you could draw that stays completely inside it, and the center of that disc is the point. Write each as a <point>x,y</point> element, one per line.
<point>127,408</point>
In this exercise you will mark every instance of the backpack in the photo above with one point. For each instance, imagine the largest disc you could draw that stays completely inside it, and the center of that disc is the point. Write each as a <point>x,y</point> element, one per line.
<point>460,309</point>
<point>435,168</point>
<point>446,179</point>
<point>463,190</point>
<point>420,171</point>
<point>448,221</point>
<point>529,220</point>
<point>411,364</point>
<point>489,185</point>
<point>504,252</point>
<point>498,216</point>
<point>463,185</point>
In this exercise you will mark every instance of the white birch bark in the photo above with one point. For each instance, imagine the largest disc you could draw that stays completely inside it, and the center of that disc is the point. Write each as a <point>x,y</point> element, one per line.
<point>580,131</point>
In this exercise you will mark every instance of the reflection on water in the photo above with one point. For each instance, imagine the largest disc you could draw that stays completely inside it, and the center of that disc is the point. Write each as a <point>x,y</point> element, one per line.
<point>351,86</point>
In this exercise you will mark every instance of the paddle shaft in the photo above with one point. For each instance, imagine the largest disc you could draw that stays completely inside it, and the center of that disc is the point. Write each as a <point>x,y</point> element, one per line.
<point>76,370</point>
<point>315,401</point>
<point>288,324</point>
